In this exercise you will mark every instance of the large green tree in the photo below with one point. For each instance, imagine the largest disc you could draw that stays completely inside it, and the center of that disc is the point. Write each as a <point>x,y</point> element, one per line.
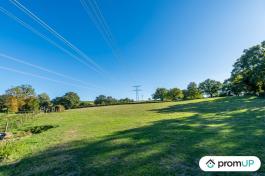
<point>21,98</point>
<point>192,92</point>
<point>44,101</point>
<point>210,87</point>
<point>105,100</point>
<point>69,100</point>
<point>160,94</point>
<point>175,94</point>
<point>248,74</point>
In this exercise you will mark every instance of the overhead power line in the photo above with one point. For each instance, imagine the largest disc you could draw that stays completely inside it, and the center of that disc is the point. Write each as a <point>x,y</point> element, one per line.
<point>94,12</point>
<point>55,33</point>
<point>27,26</point>
<point>44,69</point>
<point>40,77</point>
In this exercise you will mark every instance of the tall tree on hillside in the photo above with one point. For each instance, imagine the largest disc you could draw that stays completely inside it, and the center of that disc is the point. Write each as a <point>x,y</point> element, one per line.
<point>69,100</point>
<point>249,71</point>
<point>23,91</point>
<point>175,94</point>
<point>73,99</point>
<point>111,100</point>
<point>160,94</point>
<point>105,100</point>
<point>21,95</point>
<point>44,101</point>
<point>101,99</point>
<point>192,92</point>
<point>210,87</point>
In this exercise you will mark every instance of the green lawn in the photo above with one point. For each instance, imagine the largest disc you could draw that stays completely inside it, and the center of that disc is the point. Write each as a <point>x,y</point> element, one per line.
<point>140,139</point>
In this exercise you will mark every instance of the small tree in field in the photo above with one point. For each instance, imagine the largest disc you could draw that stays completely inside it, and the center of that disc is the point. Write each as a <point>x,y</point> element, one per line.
<point>160,94</point>
<point>210,87</point>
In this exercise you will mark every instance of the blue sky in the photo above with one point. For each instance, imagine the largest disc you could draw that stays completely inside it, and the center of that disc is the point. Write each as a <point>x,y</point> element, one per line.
<point>160,43</point>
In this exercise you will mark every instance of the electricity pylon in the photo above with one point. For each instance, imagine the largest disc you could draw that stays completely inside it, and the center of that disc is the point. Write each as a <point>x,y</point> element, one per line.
<point>137,90</point>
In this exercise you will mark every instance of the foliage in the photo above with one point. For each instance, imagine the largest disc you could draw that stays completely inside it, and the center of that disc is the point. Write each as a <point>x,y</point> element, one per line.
<point>248,74</point>
<point>22,91</point>
<point>21,98</point>
<point>105,100</point>
<point>3,106</point>
<point>175,94</point>
<point>72,100</point>
<point>12,104</point>
<point>160,94</point>
<point>227,88</point>
<point>39,129</point>
<point>69,100</point>
<point>210,87</point>
<point>126,100</point>
<point>192,92</point>
<point>85,104</point>
<point>31,105</point>
<point>44,101</point>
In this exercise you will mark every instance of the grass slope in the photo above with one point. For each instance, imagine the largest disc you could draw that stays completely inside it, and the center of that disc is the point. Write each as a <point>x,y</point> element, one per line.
<point>141,139</point>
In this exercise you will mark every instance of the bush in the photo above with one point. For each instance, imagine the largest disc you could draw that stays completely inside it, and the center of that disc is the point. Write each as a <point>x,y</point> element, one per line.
<point>105,100</point>
<point>85,104</point>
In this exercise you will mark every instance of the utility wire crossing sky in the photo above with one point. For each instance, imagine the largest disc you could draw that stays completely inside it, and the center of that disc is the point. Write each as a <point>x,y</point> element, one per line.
<point>97,47</point>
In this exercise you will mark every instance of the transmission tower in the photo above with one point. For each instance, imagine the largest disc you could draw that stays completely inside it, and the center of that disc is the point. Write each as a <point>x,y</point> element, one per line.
<point>137,90</point>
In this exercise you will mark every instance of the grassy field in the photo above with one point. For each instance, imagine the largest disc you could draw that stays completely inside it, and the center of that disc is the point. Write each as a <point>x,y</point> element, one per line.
<point>141,139</point>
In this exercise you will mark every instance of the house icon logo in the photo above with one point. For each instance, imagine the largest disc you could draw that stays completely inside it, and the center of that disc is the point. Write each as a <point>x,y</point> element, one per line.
<point>210,163</point>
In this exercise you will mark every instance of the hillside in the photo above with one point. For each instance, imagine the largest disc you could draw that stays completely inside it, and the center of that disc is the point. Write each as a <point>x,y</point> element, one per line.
<point>140,139</point>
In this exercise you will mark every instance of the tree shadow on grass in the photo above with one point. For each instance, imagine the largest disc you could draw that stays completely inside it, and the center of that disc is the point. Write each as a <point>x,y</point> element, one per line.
<point>226,104</point>
<point>165,147</point>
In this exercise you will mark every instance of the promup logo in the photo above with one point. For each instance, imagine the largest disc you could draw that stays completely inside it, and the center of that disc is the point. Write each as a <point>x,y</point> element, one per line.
<point>229,163</point>
<point>210,163</point>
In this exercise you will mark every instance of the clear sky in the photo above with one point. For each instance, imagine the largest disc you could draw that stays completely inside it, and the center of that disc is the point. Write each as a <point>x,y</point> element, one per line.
<point>155,43</point>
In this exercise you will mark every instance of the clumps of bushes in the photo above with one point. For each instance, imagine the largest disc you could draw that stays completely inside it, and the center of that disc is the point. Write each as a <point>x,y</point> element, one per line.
<point>39,129</point>
<point>85,104</point>
<point>108,100</point>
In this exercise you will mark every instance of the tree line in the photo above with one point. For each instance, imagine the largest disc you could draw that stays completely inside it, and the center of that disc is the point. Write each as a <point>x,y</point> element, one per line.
<point>23,99</point>
<point>210,88</point>
<point>247,78</point>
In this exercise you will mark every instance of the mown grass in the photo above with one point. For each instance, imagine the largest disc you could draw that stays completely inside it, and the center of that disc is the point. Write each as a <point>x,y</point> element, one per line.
<point>141,139</point>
